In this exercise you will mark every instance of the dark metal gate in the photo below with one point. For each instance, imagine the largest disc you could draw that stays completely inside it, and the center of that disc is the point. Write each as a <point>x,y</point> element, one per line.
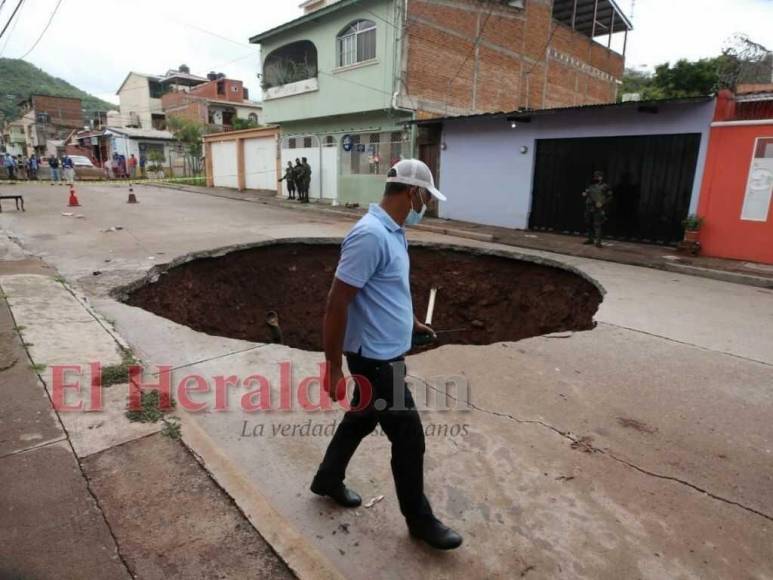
<point>651,176</point>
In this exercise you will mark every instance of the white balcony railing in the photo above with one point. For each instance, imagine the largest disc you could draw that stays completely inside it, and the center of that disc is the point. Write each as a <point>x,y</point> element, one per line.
<point>291,89</point>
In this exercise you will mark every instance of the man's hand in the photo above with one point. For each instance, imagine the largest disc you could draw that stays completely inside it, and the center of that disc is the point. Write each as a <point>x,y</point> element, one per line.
<point>421,328</point>
<point>334,377</point>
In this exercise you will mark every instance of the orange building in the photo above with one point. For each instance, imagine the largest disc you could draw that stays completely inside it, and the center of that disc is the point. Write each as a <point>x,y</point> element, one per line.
<point>737,186</point>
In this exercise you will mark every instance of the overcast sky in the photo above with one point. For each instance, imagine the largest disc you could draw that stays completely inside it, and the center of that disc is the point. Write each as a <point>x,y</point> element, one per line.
<point>94,43</point>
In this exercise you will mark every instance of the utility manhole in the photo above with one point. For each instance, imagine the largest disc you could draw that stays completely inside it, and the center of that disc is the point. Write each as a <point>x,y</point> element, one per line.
<point>481,298</point>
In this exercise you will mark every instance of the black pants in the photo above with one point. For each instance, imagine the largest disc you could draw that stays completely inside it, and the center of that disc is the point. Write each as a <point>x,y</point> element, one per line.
<point>394,409</point>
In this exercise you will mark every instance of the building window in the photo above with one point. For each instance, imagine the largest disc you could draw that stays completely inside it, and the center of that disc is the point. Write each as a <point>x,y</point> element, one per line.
<point>253,118</point>
<point>156,89</point>
<point>291,144</point>
<point>372,153</point>
<point>357,43</point>
<point>290,64</point>
<point>329,141</point>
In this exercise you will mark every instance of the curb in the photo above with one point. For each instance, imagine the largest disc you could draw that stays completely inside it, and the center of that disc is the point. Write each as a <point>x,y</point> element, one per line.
<point>300,556</point>
<point>721,275</point>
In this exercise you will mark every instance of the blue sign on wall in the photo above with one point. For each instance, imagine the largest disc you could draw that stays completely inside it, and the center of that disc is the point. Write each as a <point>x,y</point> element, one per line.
<point>347,142</point>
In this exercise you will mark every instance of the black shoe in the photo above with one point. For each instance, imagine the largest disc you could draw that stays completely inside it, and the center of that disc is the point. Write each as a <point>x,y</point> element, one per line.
<point>342,495</point>
<point>598,244</point>
<point>436,534</point>
<point>587,243</point>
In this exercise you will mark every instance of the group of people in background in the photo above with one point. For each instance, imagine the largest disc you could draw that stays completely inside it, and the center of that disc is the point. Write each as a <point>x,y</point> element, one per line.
<point>119,167</point>
<point>21,167</point>
<point>298,178</point>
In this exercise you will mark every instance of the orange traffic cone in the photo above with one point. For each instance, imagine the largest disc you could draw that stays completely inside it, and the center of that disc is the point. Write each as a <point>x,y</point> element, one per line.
<point>132,197</point>
<point>73,198</point>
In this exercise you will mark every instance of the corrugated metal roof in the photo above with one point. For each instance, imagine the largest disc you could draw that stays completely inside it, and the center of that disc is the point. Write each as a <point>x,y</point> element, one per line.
<point>142,133</point>
<point>541,112</point>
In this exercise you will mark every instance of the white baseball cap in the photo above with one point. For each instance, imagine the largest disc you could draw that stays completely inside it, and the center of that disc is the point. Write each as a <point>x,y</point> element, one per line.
<point>415,172</point>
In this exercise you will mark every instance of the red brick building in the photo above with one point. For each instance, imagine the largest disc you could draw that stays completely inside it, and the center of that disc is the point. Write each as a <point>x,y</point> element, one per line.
<point>464,56</point>
<point>216,102</point>
<point>46,118</point>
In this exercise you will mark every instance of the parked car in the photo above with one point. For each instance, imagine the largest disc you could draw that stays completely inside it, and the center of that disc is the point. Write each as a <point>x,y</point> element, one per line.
<point>85,169</point>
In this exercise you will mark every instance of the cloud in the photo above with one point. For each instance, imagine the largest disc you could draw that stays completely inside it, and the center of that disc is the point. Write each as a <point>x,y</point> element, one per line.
<point>94,44</point>
<point>667,30</point>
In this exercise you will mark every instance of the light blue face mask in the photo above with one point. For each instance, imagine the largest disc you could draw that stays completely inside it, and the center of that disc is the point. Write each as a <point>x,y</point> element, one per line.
<point>414,217</point>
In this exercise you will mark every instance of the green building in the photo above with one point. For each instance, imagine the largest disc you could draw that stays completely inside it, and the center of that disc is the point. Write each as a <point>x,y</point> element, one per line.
<point>342,80</point>
<point>329,80</point>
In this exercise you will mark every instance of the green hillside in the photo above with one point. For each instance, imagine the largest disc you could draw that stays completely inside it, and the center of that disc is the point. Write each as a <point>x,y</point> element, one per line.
<point>20,79</point>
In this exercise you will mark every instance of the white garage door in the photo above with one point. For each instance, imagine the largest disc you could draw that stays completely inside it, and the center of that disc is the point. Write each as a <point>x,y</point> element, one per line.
<point>260,163</point>
<point>224,164</point>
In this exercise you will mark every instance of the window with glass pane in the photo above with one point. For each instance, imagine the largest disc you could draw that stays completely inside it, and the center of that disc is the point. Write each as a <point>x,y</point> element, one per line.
<point>372,154</point>
<point>357,43</point>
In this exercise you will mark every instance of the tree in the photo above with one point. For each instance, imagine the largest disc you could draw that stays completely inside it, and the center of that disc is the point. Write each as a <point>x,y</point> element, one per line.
<point>741,61</point>
<point>189,134</point>
<point>744,61</point>
<point>684,79</point>
<point>239,124</point>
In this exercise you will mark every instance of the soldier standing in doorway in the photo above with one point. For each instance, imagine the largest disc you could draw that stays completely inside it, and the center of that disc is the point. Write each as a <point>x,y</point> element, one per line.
<point>306,180</point>
<point>298,172</point>
<point>290,179</point>
<point>597,198</point>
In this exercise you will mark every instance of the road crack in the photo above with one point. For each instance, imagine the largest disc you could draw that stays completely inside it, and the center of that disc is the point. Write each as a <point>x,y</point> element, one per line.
<point>583,444</point>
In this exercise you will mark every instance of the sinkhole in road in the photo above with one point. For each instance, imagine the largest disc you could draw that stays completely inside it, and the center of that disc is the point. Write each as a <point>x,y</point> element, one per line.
<point>481,298</point>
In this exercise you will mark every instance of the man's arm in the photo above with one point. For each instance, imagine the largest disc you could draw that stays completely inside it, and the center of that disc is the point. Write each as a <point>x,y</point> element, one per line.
<point>339,298</point>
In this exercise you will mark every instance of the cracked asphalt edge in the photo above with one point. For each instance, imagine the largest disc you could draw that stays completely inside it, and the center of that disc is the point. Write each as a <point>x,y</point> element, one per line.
<point>585,445</point>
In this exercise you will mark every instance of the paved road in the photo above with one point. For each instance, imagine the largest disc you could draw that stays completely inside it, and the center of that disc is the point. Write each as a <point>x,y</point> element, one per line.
<point>642,448</point>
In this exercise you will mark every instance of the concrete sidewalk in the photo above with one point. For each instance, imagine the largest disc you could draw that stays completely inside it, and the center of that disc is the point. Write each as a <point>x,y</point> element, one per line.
<point>90,495</point>
<point>51,526</point>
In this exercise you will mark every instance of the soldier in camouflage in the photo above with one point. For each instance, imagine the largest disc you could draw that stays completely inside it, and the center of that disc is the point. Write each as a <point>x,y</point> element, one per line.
<point>597,198</point>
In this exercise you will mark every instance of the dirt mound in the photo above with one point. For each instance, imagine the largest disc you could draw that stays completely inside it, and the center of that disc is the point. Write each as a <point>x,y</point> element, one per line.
<point>481,299</point>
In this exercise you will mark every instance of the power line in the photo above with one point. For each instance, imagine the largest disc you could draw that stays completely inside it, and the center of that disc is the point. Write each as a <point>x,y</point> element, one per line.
<point>7,24</point>
<point>48,24</point>
<point>13,27</point>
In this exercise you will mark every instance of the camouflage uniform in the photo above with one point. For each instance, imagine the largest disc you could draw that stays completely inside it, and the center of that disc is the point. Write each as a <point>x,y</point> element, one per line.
<point>306,180</point>
<point>298,174</point>
<point>289,177</point>
<point>597,198</point>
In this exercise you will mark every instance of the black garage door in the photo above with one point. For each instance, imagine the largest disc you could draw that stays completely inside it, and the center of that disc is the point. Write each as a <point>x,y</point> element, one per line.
<point>651,176</point>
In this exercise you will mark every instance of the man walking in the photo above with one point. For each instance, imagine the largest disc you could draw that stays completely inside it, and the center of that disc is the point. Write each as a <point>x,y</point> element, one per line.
<point>369,318</point>
<point>597,198</point>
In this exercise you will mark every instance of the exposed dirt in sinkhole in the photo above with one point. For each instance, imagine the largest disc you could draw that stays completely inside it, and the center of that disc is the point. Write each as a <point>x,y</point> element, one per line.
<point>481,299</point>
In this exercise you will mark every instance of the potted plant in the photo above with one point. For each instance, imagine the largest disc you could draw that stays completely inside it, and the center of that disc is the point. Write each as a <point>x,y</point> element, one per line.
<point>692,226</point>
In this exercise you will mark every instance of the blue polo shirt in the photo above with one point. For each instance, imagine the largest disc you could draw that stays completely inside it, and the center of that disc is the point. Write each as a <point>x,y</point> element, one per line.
<point>374,258</point>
